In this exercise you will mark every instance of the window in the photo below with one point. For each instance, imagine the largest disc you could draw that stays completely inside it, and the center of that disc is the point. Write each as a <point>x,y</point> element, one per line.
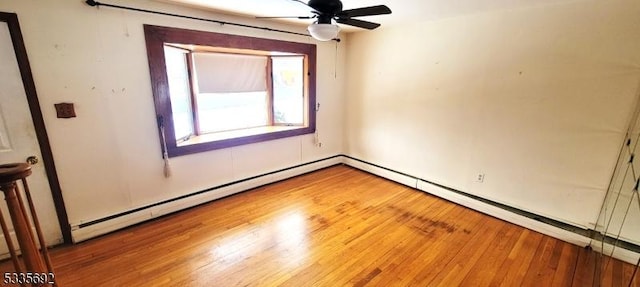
<point>214,90</point>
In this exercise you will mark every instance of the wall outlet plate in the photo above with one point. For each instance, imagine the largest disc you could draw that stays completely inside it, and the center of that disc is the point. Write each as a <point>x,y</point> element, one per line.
<point>65,110</point>
<point>480,177</point>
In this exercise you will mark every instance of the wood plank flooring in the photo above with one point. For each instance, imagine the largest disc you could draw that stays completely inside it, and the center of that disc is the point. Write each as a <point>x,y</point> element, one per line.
<point>334,227</point>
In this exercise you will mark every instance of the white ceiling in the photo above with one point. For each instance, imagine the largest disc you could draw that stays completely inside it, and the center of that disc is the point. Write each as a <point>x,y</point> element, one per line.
<point>403,10</point>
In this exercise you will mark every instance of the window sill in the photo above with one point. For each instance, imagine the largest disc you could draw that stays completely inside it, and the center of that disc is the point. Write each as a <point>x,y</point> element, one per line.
<point>219,136</point>
<point>228,139</point>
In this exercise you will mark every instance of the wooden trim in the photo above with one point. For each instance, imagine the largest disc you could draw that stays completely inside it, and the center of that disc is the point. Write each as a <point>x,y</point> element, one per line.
<point>310,99</point>
<point>179,48</point>
<point>304,91</point>
<point>197,148</point>
<point>156,37</point>
<point>269,79</point>
<point>194,99</point>
<point>36,115</point>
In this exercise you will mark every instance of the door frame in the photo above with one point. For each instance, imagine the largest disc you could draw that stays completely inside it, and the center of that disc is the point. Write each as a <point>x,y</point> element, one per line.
<point>36,115</point>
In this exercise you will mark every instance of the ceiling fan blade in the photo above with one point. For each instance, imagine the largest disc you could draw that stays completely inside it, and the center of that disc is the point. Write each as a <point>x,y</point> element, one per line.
<point>358,23</point>
<point>293,17</point>
<point>365,11</point>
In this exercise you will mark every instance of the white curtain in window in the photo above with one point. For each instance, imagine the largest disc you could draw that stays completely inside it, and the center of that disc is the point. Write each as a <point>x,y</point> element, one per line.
<point>230,73</point>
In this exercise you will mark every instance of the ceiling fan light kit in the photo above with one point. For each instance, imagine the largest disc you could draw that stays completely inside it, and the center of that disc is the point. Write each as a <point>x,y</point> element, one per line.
<point>330,12</point>
<point>323,32</point>
<point>327,13</point>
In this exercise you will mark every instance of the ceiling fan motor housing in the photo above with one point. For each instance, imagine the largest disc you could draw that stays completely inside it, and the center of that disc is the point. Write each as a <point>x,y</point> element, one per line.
<point>330,12</point>
<point>326,7</point>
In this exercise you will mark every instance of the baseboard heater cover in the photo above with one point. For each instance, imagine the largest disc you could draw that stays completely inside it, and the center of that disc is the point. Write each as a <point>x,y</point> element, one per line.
<point>94,228</point>
<point>538,223</point>
<point>550,227</point>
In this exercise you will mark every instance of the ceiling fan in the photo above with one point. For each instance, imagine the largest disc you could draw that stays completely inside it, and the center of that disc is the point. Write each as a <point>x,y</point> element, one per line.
<point>329,11</point>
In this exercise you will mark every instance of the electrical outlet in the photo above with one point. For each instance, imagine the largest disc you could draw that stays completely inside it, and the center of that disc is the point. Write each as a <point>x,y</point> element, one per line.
<point>480,177</point>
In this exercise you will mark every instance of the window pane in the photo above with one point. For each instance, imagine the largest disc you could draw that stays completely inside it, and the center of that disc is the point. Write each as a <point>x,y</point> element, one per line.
<point>231,111</point>
<point>179,92</point>
<point>288,90</point>
<point>230,73</point>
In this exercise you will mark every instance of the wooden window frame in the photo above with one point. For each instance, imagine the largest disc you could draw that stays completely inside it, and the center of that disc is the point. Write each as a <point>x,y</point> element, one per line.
<point>156,37</point>
<point>271,92</point>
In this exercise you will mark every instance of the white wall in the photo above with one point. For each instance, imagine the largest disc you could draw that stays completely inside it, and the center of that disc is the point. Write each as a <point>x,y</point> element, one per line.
<point>537,99</point>
<point>108,158</point>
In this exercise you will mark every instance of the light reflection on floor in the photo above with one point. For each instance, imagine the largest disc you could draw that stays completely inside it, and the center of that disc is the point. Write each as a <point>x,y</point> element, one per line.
<point>285,235</point>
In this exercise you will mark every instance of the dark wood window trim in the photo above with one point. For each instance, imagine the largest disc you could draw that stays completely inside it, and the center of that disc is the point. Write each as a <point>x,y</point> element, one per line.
<point>157,36</point>
<point>194,102</point>
<point>269,80</point>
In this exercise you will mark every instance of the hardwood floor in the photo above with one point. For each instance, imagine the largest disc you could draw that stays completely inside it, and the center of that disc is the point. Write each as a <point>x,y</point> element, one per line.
<point>334,227</point>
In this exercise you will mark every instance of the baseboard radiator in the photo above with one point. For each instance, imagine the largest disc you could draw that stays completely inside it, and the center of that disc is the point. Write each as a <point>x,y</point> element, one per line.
<point>550,227</point>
